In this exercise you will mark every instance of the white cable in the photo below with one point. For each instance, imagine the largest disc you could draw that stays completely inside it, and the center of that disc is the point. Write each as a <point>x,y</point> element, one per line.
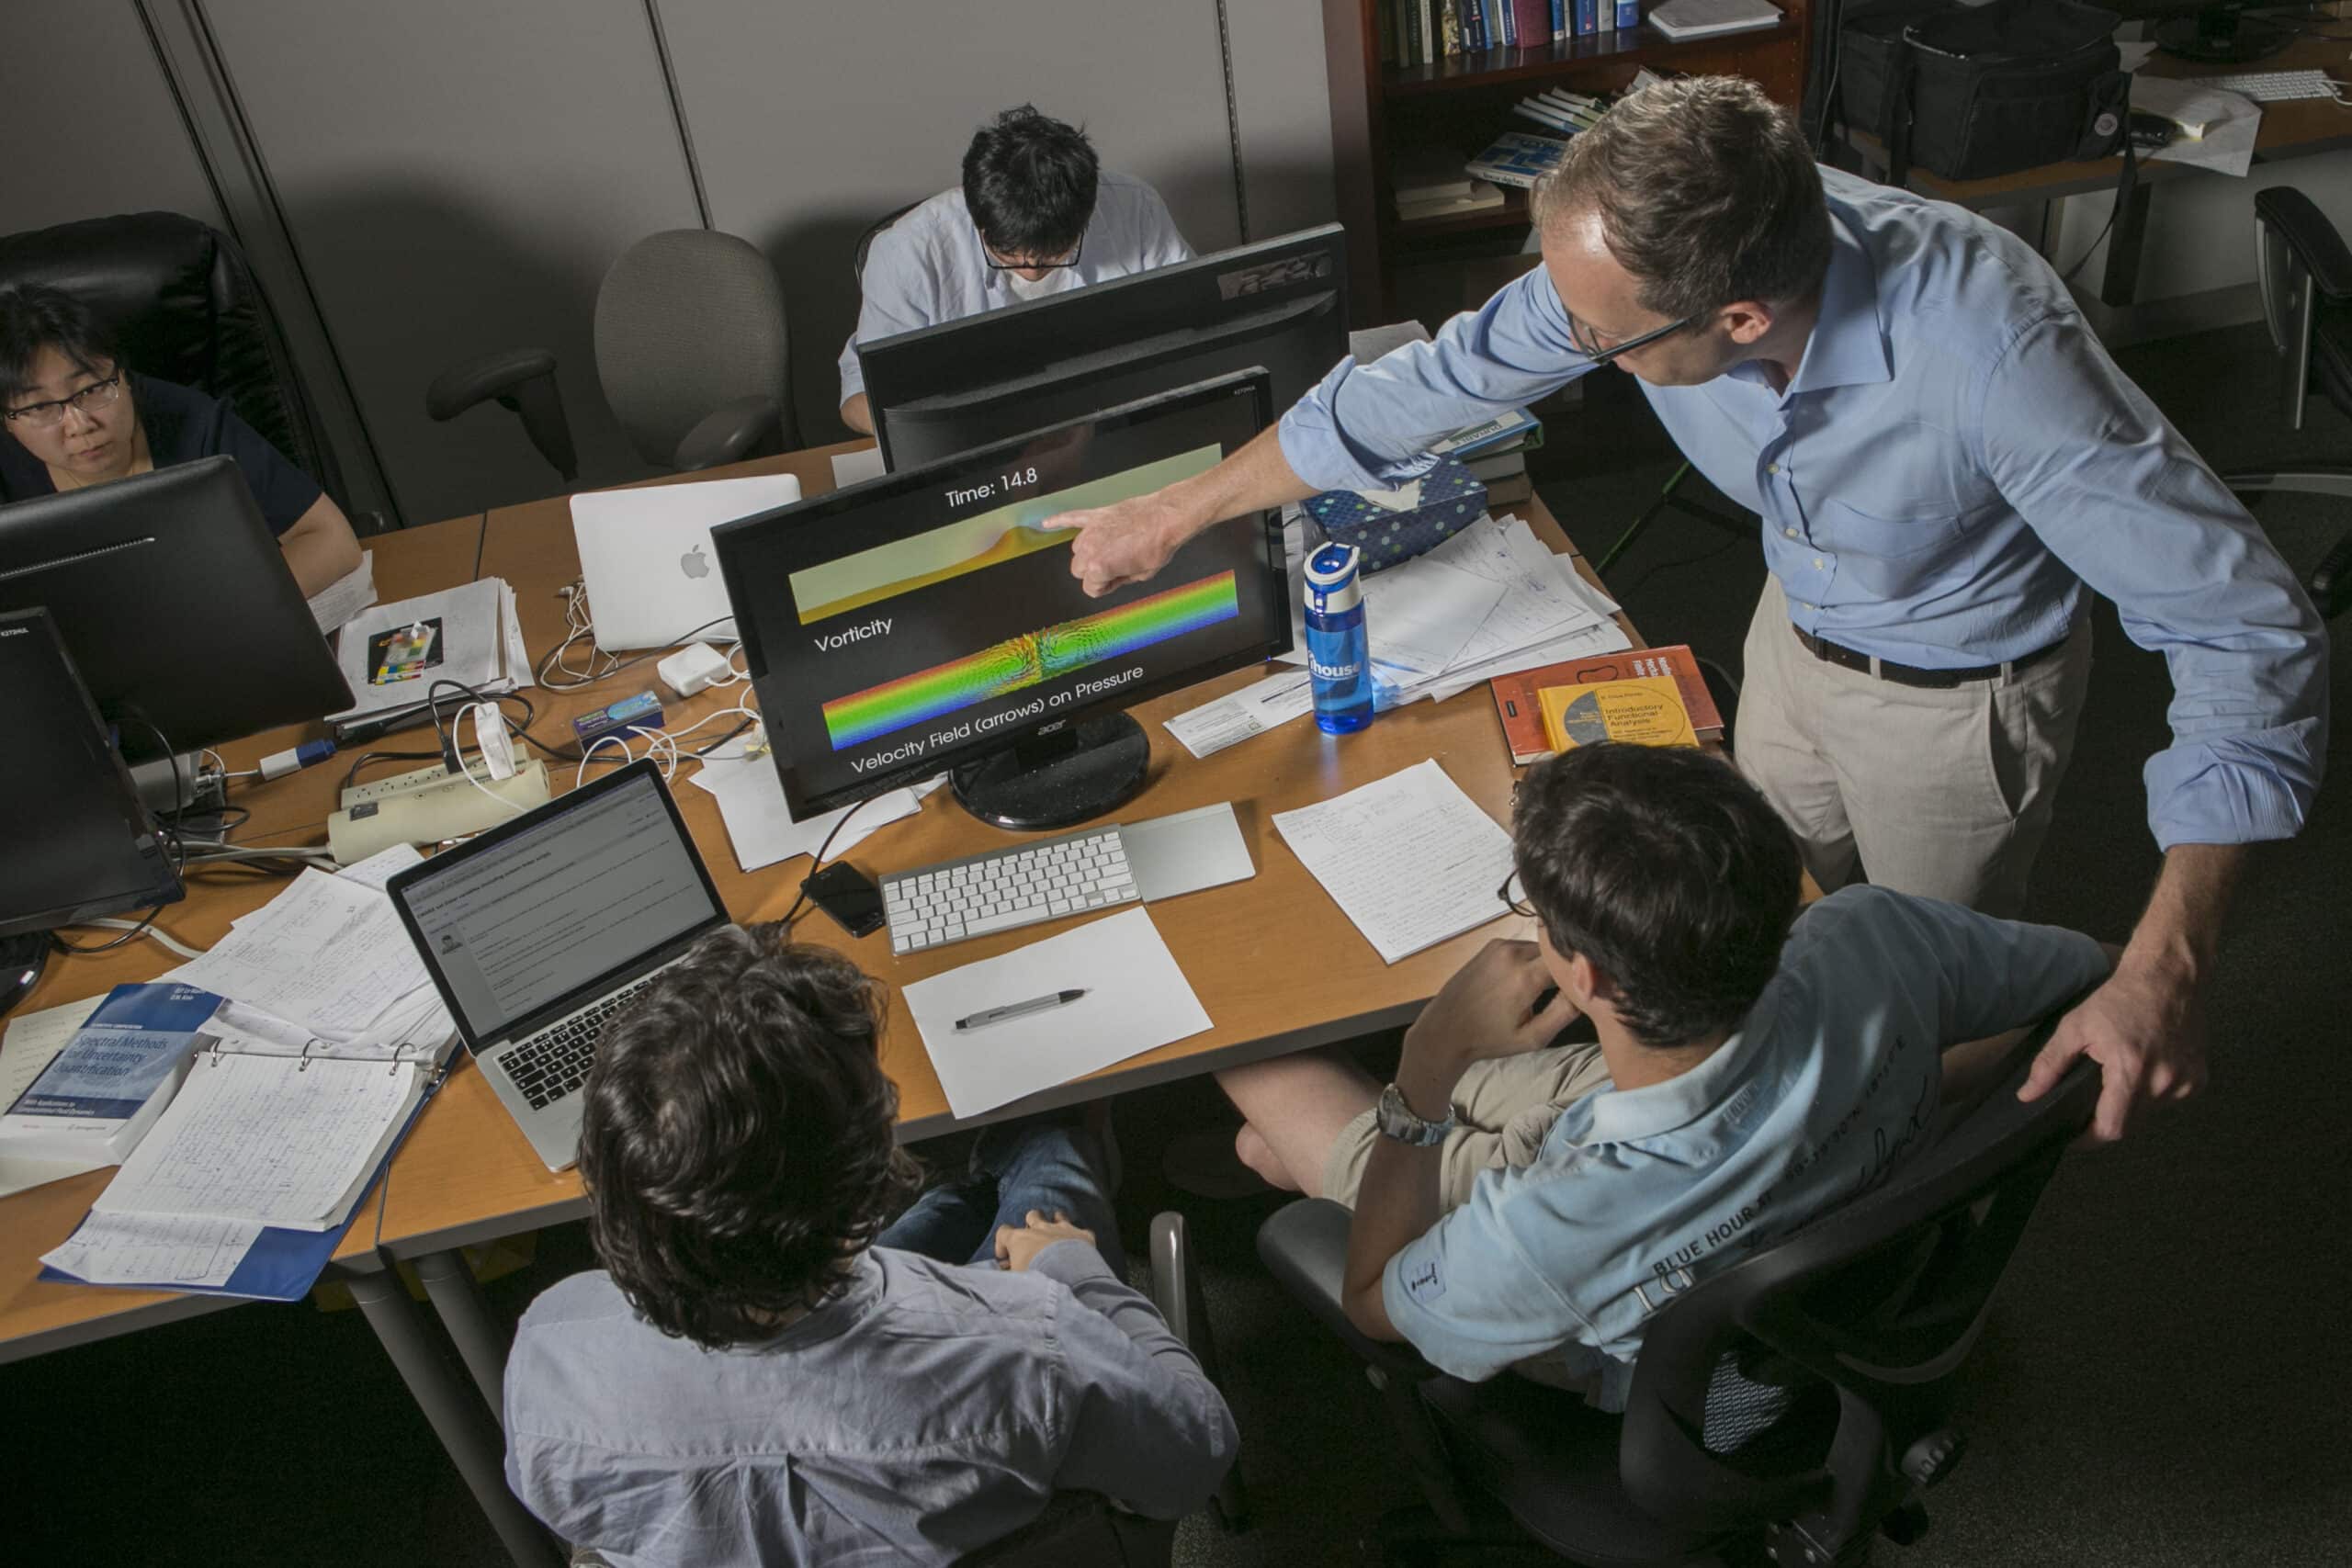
<point>581,777</point>
<point>169,941</point>
<point>458,749</point>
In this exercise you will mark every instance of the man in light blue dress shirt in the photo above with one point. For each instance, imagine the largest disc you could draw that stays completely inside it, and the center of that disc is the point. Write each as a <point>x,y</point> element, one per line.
<point>1035,215</point>
<point>1740,1084</point>
<point>1944,459</point>
<point>764,1371</point>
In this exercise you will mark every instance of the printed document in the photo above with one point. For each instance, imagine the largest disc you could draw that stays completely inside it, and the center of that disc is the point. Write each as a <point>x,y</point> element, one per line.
<point>761,828</point>
<point>1238,716</point>
<point>1410,859</point>
<point>1137,1000</point>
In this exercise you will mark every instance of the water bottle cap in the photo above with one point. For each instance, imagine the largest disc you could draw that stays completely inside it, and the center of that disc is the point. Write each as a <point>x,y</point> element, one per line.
<point>1331,566</point>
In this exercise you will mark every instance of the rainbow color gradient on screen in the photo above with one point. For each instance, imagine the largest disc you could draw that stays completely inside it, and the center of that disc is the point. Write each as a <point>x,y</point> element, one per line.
<point>1026,659</point>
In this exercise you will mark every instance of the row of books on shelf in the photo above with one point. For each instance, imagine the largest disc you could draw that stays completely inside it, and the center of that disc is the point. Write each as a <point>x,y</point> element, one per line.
<point>1422,32</point>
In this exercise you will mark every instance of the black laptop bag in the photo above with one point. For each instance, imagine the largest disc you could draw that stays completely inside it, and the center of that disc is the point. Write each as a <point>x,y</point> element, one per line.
<point>1969,92</point>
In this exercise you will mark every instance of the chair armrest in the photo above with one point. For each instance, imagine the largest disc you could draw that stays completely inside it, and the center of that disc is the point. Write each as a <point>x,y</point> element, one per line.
<point>2318,248</point>
<point>1171,1276</point>
<point>1305,1246</point>
<point>480,379</point>
<point>728,434</point>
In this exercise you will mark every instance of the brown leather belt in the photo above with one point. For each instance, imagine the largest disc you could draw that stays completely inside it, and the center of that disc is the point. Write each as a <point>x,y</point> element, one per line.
<point>1904,674</point>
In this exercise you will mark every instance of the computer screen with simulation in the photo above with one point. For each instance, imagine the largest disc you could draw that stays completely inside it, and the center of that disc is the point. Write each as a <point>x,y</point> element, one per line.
<point>924,619</point>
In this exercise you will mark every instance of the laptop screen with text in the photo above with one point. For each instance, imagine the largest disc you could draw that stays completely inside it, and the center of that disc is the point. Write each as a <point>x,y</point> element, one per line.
<point>604,880</point>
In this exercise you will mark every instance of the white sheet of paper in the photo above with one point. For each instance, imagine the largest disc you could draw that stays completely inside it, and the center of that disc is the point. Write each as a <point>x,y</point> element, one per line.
<point>348,595</point>
<point>264,1138</point>
<point>326,953</point>
<point>1137,1000</point>
<point>382,866</point>
<point>856,468</point>
<point>751,802</point>
<point>2232,122</point>
<point>1410,859</point>
<point>154,1249</point>
<point>33,1040</point>
<point>1238,716</point>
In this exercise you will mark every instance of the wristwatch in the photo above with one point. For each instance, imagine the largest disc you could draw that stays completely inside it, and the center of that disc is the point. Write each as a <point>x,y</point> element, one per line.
<point>1396,1119</point>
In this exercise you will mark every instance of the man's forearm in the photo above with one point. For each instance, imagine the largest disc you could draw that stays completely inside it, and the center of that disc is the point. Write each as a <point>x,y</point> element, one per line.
<point>1396,1201</point>
<point>1255,479</point>
<point>2182,928</point>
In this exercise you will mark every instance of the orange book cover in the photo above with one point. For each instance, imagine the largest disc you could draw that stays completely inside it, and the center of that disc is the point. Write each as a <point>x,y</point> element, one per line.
<point>1522,711</point>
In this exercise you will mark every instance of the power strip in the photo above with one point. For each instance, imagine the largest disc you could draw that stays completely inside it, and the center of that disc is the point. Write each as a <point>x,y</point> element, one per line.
<point>401,784</point>
<point>431,812</point>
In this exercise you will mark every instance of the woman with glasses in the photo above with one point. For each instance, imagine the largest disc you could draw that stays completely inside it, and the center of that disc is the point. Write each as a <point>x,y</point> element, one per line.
<point>76,417</point>
<point>1035,215</point>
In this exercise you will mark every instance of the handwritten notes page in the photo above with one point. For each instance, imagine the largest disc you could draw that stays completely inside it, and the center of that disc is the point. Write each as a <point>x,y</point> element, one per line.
<point>1410,859</point>
<point>327,953</point>
<point>154,1249</point>
<point>267,1139</point>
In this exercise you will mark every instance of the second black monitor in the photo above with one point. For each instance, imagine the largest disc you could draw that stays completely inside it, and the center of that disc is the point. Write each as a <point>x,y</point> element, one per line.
<point>1281,304</point>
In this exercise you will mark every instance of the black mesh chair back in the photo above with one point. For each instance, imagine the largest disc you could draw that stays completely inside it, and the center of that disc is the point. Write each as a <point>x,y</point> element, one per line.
<point>1811,1383</point>
<point>185,306</point>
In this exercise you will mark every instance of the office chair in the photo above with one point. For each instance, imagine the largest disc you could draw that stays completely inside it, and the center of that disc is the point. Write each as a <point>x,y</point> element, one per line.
<point>1789,1409</point>
<point>866,241</point>
<point>691,350</point>
<point>1082,1527</point>
<point>2305,273</point>
<point>186,306</point>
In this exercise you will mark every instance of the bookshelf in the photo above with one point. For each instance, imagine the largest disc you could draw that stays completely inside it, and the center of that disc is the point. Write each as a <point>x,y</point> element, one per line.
<point>1463,102</point>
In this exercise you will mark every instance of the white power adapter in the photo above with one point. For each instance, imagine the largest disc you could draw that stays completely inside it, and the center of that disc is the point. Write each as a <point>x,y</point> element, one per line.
<point>694,668</point>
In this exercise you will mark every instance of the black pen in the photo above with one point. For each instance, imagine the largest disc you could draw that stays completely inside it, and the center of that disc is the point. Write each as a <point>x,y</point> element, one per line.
<point>1017,1010</point>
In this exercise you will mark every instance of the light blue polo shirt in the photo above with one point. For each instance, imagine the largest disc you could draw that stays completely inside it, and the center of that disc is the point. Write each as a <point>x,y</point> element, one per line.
<point>1830,1082</point>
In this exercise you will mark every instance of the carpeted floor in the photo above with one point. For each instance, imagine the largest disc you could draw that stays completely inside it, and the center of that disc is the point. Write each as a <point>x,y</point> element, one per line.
<point>2163,1386</point>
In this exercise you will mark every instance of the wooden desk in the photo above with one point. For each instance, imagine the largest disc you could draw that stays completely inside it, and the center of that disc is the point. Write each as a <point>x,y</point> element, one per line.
<point>2288,130</point>
<point>466,1175</point>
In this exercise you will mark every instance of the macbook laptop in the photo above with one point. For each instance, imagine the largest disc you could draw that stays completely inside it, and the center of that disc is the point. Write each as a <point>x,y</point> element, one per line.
<point>540,930</point>
<point>645,556</point>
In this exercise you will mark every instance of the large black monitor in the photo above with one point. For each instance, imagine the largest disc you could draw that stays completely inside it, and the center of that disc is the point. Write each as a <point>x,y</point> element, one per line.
<point>80,843</point>
<point>922,621</point>
<point>175,603</point>
<point>2216,31</point>
<point>1280,304</point>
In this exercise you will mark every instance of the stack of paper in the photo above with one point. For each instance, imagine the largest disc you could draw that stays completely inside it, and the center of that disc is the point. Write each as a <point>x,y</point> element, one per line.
<point>322,1049</point>
<point>33,1040</point>
<point>325,969</point>
<point>1490,600</point>
<point>393,654</point>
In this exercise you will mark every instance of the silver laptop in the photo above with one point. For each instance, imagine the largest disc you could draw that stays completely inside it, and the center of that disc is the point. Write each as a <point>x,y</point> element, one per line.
<point>540,931</point>
<point>645,555</point>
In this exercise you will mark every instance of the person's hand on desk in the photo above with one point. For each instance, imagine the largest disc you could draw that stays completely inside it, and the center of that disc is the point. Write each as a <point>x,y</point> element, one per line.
<point>1017,1245</point>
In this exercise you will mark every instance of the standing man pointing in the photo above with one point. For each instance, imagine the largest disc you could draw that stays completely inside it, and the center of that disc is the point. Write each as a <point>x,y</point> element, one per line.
<point>1943,458</point>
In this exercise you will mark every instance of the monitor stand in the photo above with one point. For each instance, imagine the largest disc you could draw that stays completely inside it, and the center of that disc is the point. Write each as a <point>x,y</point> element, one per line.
<point>22,958</point>
<point>2222,34</point>
<point>1053,779</point>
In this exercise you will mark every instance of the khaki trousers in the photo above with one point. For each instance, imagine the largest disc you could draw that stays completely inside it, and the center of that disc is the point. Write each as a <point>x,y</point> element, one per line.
<point>1942,793</point>
<point>1507,1105</point>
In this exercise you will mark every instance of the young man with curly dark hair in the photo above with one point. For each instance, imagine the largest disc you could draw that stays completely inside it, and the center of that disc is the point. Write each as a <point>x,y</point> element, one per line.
<point>770,1369</point>
<point>1525,1204</point>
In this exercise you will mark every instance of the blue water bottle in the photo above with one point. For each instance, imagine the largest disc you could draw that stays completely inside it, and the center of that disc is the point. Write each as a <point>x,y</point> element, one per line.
<point>1339,649</point>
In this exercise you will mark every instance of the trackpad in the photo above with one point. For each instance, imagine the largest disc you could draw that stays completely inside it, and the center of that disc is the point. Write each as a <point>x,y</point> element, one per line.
<point>1187,851</point>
